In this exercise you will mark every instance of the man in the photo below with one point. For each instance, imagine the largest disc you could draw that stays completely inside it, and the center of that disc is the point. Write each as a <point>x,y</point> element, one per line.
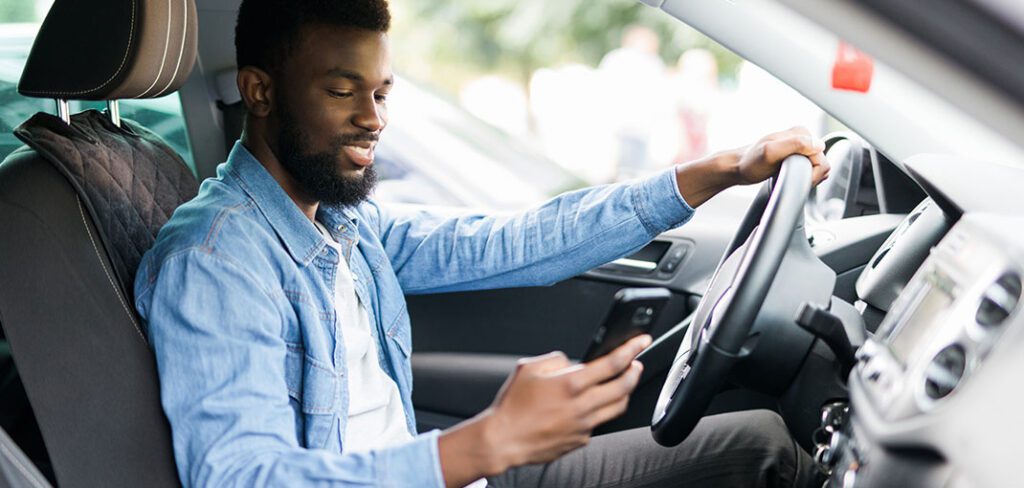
<point>274,299</point>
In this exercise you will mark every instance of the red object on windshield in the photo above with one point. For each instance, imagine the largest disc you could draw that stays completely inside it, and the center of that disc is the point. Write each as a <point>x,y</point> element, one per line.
<point>852,70</point>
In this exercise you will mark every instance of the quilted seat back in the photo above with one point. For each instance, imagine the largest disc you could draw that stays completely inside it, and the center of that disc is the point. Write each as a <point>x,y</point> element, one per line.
<point>129,179</point>
<point>79,206</point>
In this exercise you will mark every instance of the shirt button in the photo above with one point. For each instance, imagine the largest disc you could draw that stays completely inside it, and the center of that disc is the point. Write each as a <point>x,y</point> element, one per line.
<point>355,277</point>
<point>341,228</point>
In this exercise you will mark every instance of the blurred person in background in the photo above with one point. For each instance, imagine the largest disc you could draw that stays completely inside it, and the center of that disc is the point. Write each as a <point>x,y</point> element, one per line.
<point>760,101</point>
<point>630,73</point>
<point>696,87</point>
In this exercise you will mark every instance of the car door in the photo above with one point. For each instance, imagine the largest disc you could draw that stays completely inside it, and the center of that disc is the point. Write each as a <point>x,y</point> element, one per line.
<point>466,343</point>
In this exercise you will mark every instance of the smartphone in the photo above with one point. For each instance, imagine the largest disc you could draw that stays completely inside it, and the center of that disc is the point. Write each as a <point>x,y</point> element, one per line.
<point>634,311</point>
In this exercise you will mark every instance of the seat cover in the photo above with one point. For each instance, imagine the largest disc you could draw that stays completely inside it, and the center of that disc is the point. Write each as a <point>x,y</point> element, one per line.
<point>130,181</point>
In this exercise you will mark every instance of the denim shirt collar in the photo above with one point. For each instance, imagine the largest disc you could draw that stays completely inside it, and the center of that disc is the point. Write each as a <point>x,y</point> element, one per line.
<point>300,237</point>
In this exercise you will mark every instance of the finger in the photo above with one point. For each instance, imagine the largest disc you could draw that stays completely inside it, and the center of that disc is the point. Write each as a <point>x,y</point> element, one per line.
<point>545,363</point>
<point>820,168</point>
<point>600,396</point>
<point>777,150</point>
<point>608,412</point>
<point>611,364</point>
<point>798,130</point>
<point>783,134</point>
<point>818,160</point>
<point>820,174</point>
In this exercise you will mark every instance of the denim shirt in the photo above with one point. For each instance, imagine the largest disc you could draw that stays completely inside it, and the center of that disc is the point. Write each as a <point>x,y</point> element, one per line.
<point>238,291</point>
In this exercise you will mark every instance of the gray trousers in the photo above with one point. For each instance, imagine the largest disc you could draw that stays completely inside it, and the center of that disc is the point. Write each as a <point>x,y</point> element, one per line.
<point>751,448</point>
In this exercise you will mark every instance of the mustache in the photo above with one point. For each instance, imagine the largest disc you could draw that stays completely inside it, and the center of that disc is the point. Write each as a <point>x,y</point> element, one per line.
<point>346,139</point>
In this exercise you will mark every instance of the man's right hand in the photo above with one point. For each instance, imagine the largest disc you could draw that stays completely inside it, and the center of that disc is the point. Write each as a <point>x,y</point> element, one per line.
<point>546,408</point>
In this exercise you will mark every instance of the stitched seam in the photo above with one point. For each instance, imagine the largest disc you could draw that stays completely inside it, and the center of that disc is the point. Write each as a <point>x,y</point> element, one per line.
<point>163,60</point>
<point>131,36</point>
<point>21,467</point>
<point>296,297</point>
<point>641,212</point>
<point>227,260</point>
<point>181,52</point>
<point>393,326</point>
<point>218,223</point>
<point>251,195</point>
<point>315,363</point>
<point>109,278</point>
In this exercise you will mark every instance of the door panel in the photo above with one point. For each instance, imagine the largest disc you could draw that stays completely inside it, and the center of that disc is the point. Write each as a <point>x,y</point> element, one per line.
<point>466,344</point>
<point>523,321</point>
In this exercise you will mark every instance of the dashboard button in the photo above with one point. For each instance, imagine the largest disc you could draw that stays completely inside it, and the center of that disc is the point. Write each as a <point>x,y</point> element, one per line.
<point>675,256</point>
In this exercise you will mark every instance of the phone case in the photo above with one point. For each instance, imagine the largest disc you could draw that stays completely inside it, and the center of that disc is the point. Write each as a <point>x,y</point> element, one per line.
<point>634,312</point>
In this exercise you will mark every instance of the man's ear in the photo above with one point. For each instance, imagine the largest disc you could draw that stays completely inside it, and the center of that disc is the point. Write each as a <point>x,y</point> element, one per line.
<point>256,89</point>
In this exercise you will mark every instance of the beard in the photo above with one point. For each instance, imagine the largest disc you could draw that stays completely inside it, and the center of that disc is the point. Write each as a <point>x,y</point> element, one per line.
<point>319,173</point>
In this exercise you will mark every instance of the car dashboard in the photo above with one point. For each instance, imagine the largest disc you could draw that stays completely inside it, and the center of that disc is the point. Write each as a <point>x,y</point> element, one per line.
<point>910,392</point>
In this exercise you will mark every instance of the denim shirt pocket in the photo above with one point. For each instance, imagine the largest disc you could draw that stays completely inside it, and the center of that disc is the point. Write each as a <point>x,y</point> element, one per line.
<point>313,384</point>
<point>400,334</point>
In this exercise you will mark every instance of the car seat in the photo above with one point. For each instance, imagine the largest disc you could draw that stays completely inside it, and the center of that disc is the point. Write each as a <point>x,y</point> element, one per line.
<point>80,204</point>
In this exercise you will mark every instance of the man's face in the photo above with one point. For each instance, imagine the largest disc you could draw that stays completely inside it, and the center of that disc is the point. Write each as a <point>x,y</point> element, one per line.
<point>329,111</point>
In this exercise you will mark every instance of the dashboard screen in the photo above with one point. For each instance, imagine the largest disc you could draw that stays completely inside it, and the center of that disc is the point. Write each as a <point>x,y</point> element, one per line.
<point>923,310</point>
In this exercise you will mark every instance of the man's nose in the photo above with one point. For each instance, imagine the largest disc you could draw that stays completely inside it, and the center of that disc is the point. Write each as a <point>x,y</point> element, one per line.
<point>370,116</point>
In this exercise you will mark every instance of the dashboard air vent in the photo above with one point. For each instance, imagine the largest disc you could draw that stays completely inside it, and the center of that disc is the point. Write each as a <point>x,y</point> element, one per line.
<point>999,300</point>
<point>945,372</point>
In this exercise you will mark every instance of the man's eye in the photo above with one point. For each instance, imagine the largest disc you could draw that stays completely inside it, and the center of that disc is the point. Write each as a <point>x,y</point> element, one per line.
<point>338,94</point>
<point>381,97</point>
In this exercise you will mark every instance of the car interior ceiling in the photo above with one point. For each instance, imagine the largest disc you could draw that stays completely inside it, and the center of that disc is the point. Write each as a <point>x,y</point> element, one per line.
<point>83,200</point>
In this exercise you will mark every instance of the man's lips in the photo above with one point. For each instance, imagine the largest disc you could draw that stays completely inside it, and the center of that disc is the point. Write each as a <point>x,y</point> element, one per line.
<point>360,152</point>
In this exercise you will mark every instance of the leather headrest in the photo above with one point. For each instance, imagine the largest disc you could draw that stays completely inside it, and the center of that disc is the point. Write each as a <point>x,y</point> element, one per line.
<point>112,49</point>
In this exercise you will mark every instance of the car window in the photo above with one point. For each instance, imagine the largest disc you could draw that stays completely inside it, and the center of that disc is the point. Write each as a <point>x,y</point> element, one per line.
<point>18,27</point>
<point>608,90</point>
<point>434,152</point>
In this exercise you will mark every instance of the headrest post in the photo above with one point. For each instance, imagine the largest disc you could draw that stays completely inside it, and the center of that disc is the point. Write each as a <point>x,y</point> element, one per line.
<point>114,112</point>
<point>64,110</point>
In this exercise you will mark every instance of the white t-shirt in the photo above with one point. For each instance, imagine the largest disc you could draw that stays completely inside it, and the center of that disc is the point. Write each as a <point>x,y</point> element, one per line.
<point>375,416</point>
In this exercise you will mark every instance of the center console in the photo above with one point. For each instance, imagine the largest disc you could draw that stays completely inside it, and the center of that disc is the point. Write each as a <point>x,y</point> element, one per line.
<point>961,308</point>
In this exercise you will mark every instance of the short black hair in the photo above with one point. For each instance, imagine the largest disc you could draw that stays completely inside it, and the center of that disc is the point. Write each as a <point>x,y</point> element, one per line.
<point>267,30</point>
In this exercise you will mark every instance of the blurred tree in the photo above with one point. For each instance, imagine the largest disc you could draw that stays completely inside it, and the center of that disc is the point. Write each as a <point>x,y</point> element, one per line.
<point>17,11</point>
<point>451,40</point>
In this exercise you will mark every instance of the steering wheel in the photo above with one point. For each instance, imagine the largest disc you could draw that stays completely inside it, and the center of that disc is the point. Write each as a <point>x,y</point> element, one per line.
<point>720,331</point>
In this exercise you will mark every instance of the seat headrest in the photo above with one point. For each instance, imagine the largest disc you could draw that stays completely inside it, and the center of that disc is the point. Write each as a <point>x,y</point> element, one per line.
<point>112,49</point>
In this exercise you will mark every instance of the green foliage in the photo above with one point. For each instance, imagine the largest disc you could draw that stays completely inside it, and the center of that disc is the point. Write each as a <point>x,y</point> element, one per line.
<point>17,11</point>
<point>449,41</point>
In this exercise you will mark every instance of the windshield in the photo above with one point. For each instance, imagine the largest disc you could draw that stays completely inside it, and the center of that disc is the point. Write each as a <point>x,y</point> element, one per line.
<point>899,116</point>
